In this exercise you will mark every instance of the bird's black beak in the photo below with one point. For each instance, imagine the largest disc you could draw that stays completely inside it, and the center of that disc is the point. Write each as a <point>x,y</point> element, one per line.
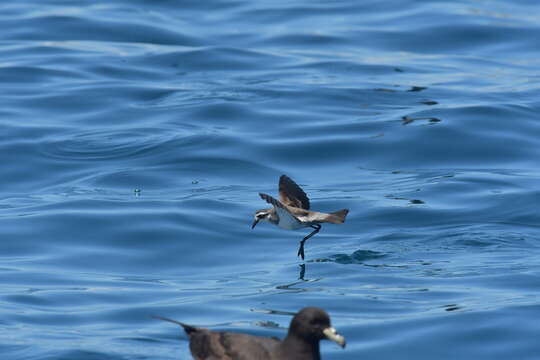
<point>254,223</point>
<point>331,334</point>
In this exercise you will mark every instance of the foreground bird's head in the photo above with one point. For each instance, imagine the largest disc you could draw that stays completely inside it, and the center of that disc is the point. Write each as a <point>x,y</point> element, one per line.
<point>313,323</point>
<point>261,215</point>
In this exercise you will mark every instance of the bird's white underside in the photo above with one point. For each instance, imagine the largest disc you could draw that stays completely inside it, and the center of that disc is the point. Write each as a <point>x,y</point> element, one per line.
<point>287,221</point>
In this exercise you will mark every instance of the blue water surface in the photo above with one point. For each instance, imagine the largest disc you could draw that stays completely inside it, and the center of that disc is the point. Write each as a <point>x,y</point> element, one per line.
<point>135,137</point>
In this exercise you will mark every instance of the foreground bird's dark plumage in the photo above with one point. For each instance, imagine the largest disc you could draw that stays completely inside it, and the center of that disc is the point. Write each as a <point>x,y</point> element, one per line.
<point>307,328</point>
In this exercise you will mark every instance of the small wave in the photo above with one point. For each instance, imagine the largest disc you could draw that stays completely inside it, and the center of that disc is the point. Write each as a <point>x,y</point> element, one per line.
<point>110,144</point>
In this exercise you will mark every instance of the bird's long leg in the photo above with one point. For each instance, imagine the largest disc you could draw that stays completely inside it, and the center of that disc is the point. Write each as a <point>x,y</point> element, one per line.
<point>317,227</point>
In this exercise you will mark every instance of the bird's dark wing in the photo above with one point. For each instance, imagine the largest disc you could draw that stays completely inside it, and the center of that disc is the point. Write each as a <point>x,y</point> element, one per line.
<point>209,345</point>
<point>242,346</point>
<point>269,199</point>
<point>291,194</point>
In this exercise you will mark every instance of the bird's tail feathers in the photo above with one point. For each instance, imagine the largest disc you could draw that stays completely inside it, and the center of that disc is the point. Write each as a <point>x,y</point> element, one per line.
<point>338,217</point>
<point>187,328</point>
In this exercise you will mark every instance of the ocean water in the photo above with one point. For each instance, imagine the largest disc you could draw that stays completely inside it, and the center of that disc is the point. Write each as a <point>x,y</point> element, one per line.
<point>135,137</point>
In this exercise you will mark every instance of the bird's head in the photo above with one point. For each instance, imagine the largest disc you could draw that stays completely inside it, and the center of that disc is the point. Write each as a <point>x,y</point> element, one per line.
<point>261,215</point>
<point>313,324</point>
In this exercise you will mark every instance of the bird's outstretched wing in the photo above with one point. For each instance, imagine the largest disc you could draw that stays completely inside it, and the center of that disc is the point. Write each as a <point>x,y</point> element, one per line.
<point>291,194</point>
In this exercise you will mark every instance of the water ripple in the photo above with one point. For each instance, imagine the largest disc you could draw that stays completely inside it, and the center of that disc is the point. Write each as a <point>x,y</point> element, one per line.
<point>107,145</point>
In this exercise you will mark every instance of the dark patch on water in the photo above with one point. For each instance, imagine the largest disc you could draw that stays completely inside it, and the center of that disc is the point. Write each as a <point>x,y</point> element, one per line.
<point>452,307</point>
<point>408,120</point>
<point>267,324</point>
<point>417,88</point>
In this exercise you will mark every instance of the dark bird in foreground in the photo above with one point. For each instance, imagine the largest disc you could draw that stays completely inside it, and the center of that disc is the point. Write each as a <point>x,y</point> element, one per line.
<point>307,328</point>
<point>291,211</point>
